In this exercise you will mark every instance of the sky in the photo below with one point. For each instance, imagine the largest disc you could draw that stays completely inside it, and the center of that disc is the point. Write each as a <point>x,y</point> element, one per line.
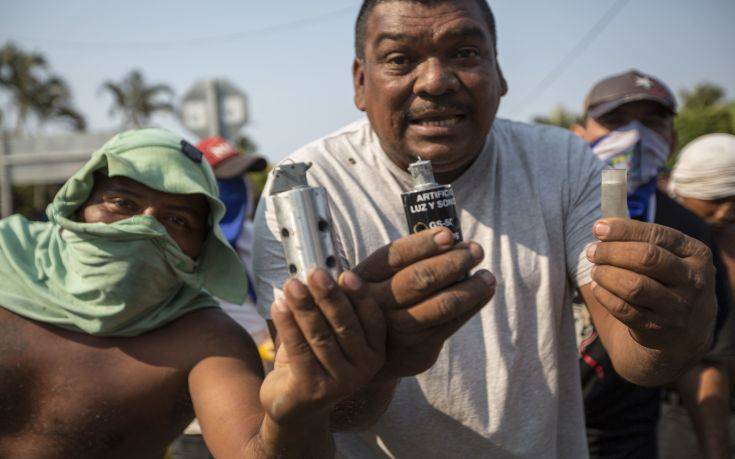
<point>292,57</point>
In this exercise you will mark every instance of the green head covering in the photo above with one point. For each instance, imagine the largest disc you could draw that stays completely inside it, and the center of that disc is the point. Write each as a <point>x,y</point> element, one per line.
<point>126,277</point>
<point>165,162</point>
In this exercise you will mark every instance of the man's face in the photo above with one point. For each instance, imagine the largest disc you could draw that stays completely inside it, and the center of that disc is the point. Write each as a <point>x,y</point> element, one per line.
<point>651,114</point>
<point>118,198</point>
<point>429,82</point>
<point>718,213</point>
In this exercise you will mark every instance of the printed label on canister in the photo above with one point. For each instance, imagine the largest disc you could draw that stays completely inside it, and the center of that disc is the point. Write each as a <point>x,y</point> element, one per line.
<point>431,208</point>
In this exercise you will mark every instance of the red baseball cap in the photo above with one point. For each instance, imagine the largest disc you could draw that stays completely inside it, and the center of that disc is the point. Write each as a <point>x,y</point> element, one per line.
<point>226,161</point>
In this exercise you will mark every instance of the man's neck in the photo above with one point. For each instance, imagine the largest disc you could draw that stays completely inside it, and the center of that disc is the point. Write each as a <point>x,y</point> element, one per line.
<point>442,177</point>
<point>445,178</point>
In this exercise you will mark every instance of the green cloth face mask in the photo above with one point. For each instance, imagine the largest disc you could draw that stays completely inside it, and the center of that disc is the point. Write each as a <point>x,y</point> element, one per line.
<point>123,278</point>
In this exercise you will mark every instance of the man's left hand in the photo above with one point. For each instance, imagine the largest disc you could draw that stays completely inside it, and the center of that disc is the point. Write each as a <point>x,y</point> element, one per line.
<point>657,281</point>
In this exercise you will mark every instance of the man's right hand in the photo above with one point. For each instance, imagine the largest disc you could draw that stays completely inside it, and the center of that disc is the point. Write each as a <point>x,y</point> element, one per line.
<point>333,343</point>
<point>421,283</point>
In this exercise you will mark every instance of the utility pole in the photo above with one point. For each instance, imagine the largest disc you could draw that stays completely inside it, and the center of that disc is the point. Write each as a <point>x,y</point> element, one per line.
<point>6,188</point>
<point>213,109</point>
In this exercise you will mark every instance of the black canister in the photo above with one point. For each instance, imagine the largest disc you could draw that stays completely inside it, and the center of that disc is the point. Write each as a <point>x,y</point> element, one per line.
<point>429,204</point>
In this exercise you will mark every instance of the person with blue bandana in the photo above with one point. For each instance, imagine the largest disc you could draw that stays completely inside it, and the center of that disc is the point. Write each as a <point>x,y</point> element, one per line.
<point>230,168</point>
<point>629,123</point>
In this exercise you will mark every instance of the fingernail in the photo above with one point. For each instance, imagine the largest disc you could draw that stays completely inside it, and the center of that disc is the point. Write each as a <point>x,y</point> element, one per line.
<point>488,278</point>
<point>296,289</point>
<point>443,238</point>
<point>351,280</point>
<point>476,252</point>
<point>322,279</point>
<point>280,305</point>
<point>601,229</point>
<point>591,251</point>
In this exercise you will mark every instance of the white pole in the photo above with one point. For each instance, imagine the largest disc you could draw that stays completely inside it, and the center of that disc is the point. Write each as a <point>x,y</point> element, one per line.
<point>213,109</point>
<point>6,188</point>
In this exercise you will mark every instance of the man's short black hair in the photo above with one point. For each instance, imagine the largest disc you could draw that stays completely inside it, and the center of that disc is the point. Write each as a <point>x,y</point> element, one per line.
<point>368,5</point>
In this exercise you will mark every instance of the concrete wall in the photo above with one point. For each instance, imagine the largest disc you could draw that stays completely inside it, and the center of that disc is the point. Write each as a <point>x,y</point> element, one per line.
<point>42,160</point>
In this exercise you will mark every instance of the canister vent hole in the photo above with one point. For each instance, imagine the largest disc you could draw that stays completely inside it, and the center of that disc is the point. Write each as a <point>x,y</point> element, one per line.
<point>292,269</point>
<point>331,262</point>
<point>323,225</point>
<point>285,233</point>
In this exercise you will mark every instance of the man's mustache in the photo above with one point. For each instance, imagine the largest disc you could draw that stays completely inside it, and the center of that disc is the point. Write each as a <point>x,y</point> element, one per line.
<point>453,108</point>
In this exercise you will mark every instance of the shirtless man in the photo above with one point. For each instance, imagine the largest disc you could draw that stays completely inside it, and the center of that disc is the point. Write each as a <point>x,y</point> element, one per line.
<point>95,361</point>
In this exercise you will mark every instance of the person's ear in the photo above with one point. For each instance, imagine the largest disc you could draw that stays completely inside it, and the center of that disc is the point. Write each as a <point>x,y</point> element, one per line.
<point>358,83</point>
<point>503,81</point>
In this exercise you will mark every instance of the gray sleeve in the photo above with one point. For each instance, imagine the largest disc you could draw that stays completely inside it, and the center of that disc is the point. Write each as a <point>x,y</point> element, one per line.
<point>583,209</point>
<point>269,262</point>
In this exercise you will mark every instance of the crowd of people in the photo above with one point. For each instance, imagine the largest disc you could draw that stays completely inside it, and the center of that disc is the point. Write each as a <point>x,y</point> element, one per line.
<point>148,305</point>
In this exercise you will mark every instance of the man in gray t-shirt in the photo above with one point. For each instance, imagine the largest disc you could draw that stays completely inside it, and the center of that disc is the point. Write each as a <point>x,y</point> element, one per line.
<point>464,377</point>
<point>530,200</point>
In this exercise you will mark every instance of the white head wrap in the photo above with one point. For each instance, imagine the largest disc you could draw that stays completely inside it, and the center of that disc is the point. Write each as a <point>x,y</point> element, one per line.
<point>705,169</point>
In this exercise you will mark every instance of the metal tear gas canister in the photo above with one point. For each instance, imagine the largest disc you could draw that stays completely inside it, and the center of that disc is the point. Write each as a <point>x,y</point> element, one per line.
<point>304,222</point>
<point>429,204</point>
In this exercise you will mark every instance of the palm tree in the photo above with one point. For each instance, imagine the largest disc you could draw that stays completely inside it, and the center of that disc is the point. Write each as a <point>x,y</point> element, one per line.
<point>136,100</point>
<point>33,91</point>
<point>51,103</point>
<point>18,75</point>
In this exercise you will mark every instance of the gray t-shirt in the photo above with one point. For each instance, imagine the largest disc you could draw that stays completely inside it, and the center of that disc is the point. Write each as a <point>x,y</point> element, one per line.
<point>507,383</point>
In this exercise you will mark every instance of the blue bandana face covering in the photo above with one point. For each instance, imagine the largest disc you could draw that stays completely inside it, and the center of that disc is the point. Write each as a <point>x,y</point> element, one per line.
<point>644,153</point>
<point>234,195</point>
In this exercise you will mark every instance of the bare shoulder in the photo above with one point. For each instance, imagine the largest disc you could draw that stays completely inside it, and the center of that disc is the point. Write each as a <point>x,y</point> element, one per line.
<point>211,333</point>
<point>14,342</point>
<point>179,345</point>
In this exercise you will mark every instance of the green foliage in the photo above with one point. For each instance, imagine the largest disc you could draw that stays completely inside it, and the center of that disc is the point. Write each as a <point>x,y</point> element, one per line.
<point>691,124</point>
<point>704,95</point>
<point>704,110</point>
<point>560,117</point>
<point>23,201</point>
<point>34,91</point>
<point>31,200</point>
<point>245,145</point>
<point>136,100</point>
<point>258,179</point>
